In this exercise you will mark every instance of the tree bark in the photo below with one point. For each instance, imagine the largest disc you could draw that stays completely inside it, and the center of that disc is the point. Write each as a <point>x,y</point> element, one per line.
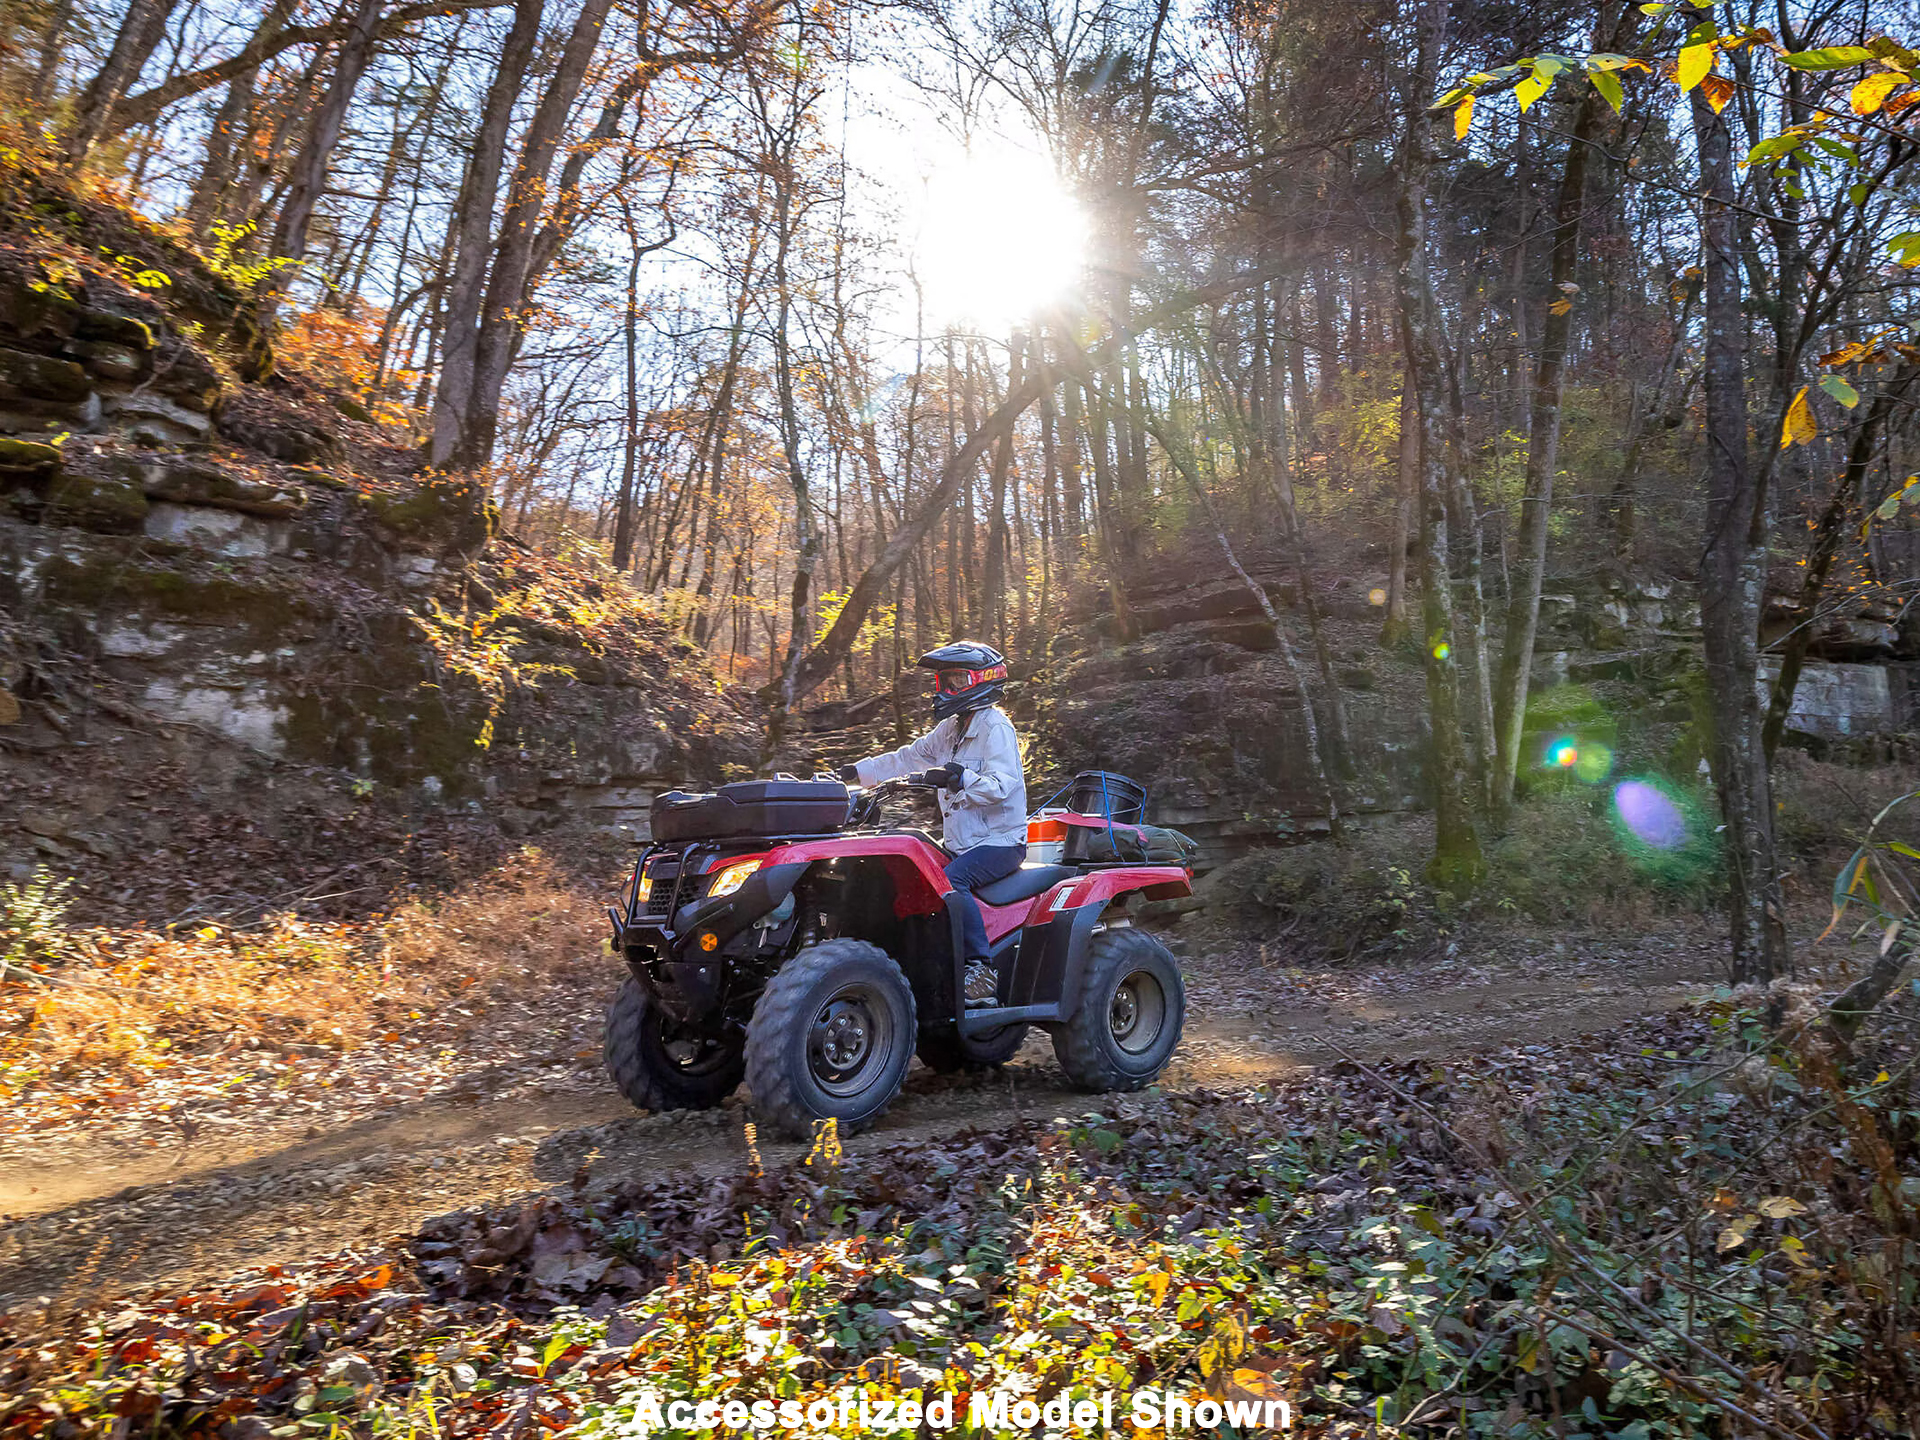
<point>148,105</point>
<point>1825,549</point>
<point>141,30</point>
<point>230,130</point>
<point>509,280</point>
<point>1733,581</point>
<point>471,230</point>
<point>1394,628</point>
<point>309,176</point>
<point>1527,568</point>
<point>994,585</point>
<point>1457,859</point>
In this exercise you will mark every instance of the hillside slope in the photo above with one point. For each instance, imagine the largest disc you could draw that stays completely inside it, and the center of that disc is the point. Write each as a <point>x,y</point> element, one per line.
<point>220,579</point>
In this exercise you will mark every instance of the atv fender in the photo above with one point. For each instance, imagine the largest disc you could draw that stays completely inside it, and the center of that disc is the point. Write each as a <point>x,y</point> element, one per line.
<point>727,917</point>
<point>1048,973</point>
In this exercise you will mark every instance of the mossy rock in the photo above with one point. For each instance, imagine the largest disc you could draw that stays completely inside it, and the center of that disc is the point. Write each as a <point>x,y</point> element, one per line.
<point>26,459</point>
<point>325,479</point>
<point>121,363</point>
<point>31,313</point>
<point>352,409</point>
<point>453,514</point>
<point>187,483</point>
<point>188,377</point>
<point>43,376</point>
<point>97,324</point>
<point>104,581</point>
<point>110,503</point>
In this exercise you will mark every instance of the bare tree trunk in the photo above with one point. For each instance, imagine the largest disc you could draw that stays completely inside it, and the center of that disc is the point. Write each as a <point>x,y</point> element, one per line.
<point>470,231</point>
<point>52,46</point>
<point>623,505</point>
<point>1529,562</point>
<point>508,282</point>
<point>994,586</point>
<point>1643,414</point>
<point>1395,629</point>
<point>1073,486</point>
<point>230,131</point>
<point>309,178</point>
<point>141,30</point>
<point>1828,532</point>
<point>1733,582</point>
<point>1457,859</point>
<point>1470,623</point>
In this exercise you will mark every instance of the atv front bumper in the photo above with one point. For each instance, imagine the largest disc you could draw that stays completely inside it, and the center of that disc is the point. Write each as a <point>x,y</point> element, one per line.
<point>702,927</point>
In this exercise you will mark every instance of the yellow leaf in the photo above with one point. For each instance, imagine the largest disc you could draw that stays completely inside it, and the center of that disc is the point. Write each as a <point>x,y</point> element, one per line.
<point>1735,1235</point>
<point>1559,307</point>
<point>1718,91</point>
<point>1258,1383</point>
<point>1882,1078</point>
<point>1871,93</point>
<point>1800,428</point>
<point>1781,1207</point>
<point>1692,67</point>
<point>1531,89</point>
<point>1463,117</point>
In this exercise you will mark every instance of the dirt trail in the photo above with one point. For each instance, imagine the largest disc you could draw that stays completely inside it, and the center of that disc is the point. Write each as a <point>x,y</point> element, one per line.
<point>103,1222</point>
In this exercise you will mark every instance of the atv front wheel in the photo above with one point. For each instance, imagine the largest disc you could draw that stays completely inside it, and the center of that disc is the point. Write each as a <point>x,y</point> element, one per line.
<point>831,1038</point>
<point>1129,1017</point>
<point>660,1066</point>
<point>949,1053</point>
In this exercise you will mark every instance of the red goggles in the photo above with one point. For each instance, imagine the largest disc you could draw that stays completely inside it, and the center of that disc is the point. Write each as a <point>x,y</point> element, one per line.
<point>955,682</point>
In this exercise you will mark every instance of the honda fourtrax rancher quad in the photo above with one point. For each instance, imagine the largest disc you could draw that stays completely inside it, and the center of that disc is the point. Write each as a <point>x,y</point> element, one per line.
<point>776,931</point>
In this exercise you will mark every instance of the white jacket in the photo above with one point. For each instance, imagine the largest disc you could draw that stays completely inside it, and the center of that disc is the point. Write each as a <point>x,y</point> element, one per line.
<point>990,808</point>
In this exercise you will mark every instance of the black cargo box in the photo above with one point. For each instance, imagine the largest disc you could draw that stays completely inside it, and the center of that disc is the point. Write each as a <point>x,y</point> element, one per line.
<point>751,807</point>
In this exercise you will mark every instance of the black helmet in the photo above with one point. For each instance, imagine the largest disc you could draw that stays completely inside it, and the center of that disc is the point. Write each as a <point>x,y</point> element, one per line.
<point>968,676</point>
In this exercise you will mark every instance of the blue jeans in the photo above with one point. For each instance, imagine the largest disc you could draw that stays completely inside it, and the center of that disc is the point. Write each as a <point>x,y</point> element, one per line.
<point>981,865</point>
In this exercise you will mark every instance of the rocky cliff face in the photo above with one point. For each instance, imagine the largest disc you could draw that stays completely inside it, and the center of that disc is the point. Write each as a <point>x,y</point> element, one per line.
<point>211,587</point>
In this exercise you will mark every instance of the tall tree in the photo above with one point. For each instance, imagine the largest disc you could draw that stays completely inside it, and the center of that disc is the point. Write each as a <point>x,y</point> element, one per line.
<point>1457,859</point>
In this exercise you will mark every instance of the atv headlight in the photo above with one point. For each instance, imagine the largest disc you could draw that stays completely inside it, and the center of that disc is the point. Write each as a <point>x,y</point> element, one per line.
<point>732,878</point>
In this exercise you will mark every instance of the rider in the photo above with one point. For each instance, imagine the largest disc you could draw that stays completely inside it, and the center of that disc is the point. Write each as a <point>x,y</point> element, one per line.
<point>973,756</point>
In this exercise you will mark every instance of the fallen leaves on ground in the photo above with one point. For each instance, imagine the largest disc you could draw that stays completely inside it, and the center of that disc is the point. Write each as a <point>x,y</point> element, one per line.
<point>1529,1234</point>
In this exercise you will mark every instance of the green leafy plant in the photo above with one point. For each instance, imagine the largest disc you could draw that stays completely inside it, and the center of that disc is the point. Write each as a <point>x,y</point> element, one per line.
<point>32,921</point>
<point>230,264</point>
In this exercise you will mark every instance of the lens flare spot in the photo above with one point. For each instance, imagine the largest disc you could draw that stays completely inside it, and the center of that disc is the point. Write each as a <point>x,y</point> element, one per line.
<point>1376,596</point>
<point>1442,650</point>
<point>1650,815</point>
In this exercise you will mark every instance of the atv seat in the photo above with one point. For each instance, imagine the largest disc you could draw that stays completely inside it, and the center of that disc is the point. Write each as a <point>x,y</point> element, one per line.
<point>1023,884</point>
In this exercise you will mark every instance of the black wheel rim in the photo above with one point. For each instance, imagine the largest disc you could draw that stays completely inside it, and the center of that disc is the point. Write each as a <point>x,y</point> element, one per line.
<point>690,1053</point>
<point>1137,1014</point>
<point>851,1041</point>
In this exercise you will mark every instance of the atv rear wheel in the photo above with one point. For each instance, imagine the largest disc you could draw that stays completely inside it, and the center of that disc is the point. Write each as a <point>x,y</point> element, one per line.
<point>947,1052</point>
<point>657,1064</point>
<point>1129,1017</point>
<point>831,1038</point>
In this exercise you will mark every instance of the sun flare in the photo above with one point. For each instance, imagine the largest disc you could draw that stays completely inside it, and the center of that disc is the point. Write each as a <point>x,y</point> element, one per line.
<point>997,238</point>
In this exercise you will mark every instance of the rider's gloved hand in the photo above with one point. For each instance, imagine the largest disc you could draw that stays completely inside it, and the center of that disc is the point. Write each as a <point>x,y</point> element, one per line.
<point>952,776</point>
<point>849,774</point>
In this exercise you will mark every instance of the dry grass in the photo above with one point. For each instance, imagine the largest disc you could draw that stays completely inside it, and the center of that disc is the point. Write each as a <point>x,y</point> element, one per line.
<point>135,1000</point>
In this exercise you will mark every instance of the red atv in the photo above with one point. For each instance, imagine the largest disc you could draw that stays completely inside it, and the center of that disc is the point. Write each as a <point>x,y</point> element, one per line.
<point>776,931</point>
